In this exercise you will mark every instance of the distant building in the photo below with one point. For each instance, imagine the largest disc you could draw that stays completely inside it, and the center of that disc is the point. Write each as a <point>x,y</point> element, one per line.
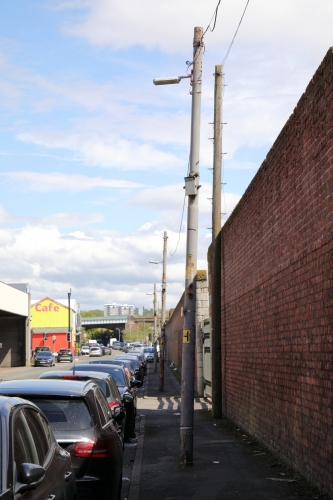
<point>118,310</point>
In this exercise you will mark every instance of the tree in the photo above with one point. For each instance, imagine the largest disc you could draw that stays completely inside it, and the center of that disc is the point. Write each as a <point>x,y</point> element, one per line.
<point>92,313</point>
<point>139,333</point>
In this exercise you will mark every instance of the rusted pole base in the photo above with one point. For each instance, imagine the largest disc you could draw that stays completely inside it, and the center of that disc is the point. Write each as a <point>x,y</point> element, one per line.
<point>186,446</point>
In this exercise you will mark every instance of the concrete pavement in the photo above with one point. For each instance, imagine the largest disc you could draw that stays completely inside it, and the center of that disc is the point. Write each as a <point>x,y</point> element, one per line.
<point>228,464</point>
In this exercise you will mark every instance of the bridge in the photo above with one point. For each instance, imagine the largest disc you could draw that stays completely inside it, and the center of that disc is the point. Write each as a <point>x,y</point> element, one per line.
<point>109,322</point>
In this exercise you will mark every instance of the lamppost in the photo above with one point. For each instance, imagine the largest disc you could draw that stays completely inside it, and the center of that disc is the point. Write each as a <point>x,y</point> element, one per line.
<point>164,284</point>
<point>155,328</point>
<point>191,190</point>
<point>118,329</point>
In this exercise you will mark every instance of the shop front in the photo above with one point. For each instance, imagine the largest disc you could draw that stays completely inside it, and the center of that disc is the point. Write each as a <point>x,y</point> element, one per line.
<point>52,325</point>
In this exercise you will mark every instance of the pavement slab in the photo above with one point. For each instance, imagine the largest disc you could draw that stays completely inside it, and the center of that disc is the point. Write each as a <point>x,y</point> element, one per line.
<point>228,464</point>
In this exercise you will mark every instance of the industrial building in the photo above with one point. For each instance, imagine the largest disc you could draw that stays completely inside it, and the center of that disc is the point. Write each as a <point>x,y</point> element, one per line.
<point>118,310</point>
<point>15,343</point>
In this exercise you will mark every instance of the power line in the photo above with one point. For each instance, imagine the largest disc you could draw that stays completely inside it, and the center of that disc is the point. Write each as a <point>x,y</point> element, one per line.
<point>181,220</point>
<point>232,41</point>
<point>214,16</point>
<point>180,228</point>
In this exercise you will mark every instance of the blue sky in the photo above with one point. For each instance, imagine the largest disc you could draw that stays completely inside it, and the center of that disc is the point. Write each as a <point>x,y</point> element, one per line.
<point>93,155</point>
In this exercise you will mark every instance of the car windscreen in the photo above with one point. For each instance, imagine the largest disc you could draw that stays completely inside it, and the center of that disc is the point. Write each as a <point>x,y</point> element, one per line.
<point>44,355</point>
<point>149,349</point>
<point>65,414</point>
<point>116,373</point>
<point>134,362</point>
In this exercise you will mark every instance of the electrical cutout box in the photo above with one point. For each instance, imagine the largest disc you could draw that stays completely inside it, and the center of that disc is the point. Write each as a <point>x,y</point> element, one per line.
<point>190,186</point>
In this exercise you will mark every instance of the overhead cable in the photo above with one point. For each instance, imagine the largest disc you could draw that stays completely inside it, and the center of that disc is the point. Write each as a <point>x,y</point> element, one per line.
<point>232,41</point>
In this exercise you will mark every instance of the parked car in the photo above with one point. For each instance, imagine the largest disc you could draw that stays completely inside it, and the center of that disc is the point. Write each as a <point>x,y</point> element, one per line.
<point>102,348</point>
<point>65,355</point>
<point>85,350</point>
<point>41,348</point>
<point>126,387</point>
<point>95,351</point>
<point>44,358</point>
<point>31,459</point>
<point>139,353</point>
<point>82,424</point>
<point>139,368</point>
<point>129,368</point>
<point>117,345</point>
<point>104,381</point>
<point>148,353</point>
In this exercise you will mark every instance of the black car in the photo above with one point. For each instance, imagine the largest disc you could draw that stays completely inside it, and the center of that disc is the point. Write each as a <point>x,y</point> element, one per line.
<point>32,461</point>
<point>139,368</point>
<point>126,363</point>
<point>126,388</point>
<point>65,355</point>
<point>44,358</point>
<point>82,424</point>
<point>141,357</point>
<point>104,381</point>
<point>40,349</point>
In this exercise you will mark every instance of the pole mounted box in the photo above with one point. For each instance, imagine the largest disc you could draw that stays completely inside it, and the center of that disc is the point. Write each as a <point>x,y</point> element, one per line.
<point>190,186</point>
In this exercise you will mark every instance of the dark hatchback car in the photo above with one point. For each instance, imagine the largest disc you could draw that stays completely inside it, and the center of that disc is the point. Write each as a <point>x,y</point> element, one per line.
<point>44,358</point>
<point>105,382</point>
<point>139,368</point>
<point>82,424</point>
<point>33,465</point>
<point>126,388</point>
<point>65,355</point>
<point>129,368</point>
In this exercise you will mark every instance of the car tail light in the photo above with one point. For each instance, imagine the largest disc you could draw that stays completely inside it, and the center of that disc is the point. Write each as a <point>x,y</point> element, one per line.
<point>113,405</point>
<point>77,377</point>
<point>94,448</point>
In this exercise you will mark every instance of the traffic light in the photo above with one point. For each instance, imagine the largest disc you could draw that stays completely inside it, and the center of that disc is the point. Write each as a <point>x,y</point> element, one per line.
<point>45,336</point>
<point>68,337</point>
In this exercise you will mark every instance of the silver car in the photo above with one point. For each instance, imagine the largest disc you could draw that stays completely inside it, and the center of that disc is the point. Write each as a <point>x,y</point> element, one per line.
<point>95,351</point>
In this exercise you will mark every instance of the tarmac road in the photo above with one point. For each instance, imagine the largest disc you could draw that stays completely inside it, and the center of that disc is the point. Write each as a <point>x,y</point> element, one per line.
<point>30,372</point>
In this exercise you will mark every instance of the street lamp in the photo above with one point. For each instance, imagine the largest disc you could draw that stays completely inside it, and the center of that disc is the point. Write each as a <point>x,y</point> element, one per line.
<point>155,332</point>
<point>192,191</point>
<point>168,80</point>
<point>118,329</point>
<point>162,335</point>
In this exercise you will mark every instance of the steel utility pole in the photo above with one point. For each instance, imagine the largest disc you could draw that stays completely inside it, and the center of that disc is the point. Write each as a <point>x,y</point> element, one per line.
<point>216,249</point>
<point>162,338</point>
<point>155,331</point>
<point>191,190</point>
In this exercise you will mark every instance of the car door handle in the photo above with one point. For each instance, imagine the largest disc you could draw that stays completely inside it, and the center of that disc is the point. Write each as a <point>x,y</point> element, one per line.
<point>66,477</point>
<point>51,497</point>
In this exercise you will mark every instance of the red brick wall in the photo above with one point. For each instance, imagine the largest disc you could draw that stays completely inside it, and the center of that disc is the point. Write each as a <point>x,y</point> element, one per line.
<point>174,335</point>
<point>277,292</point>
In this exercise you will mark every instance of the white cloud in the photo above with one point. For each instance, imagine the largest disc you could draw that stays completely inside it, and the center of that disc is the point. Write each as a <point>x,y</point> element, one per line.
<point>64,220</point>
<point>56,181</point>
<point>98,266</point>
<point>168,26</point>
<point>106,152</point>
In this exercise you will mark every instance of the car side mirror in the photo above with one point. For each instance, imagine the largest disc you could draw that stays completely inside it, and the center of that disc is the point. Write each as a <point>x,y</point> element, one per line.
<point>119,416</point>
<point>30,476</point>
<point>128,398</point>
